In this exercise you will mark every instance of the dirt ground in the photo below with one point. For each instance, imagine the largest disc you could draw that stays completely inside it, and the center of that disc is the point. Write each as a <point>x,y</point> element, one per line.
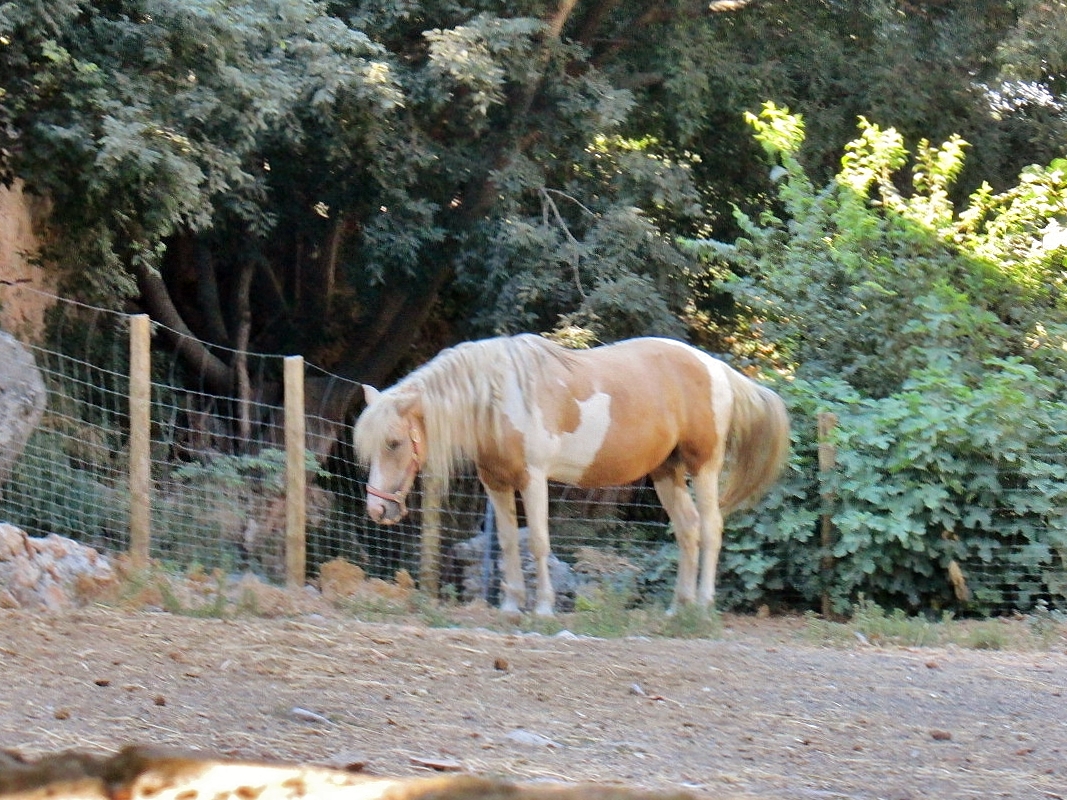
<point>759,712</point>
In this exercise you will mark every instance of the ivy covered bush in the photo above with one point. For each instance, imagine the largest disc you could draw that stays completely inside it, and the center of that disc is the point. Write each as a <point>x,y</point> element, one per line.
<point>936,337</point>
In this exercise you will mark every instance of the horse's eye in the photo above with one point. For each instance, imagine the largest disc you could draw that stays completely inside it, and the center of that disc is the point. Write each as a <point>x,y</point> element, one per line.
<point>392,445</point>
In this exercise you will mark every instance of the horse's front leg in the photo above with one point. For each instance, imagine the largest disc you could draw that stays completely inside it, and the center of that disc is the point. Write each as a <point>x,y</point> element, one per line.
<point>507,524</point>
<point>535,502</point>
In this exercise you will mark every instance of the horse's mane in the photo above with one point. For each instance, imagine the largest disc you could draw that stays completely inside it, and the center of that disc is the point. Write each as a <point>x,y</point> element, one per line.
<point>461,392</point>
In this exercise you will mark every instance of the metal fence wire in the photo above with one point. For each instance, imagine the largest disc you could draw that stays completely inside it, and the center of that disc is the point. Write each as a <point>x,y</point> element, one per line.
<point>218,493</point>
<point>218,478</point>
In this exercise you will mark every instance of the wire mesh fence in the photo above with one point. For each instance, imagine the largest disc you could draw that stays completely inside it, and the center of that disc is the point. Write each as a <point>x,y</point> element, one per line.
<point>218,494</point>
<point>217,466</point>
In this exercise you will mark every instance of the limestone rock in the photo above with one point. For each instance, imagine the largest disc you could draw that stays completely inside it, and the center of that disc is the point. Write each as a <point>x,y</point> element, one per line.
<point>50,573</point>
<point>22,401</point>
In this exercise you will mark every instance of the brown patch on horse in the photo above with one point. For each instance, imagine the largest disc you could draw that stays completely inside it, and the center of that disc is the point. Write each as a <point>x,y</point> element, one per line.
<point>501,468</point>
<point>641,425</point>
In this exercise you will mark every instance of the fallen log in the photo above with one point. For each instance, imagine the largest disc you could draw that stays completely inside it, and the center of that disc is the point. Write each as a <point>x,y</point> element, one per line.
<point>154,773</point>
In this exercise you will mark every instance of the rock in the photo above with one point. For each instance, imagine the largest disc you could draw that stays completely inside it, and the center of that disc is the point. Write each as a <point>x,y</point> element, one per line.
<point>304,715</point>
<point>22,401</point>
<point>468,560</point>
<point>50,573</point>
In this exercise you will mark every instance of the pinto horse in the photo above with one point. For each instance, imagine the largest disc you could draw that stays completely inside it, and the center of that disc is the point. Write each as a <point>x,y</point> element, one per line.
<point>526,410</point>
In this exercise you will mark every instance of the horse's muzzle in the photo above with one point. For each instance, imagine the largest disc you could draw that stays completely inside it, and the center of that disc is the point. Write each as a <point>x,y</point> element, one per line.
<point>385,512</point>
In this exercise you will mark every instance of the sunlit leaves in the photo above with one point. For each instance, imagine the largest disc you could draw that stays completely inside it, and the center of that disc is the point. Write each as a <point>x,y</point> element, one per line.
<point>482,55</point>
<point>936,339</point>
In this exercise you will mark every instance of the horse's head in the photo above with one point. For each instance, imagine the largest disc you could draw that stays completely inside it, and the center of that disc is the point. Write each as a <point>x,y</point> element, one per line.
<point>389,435</point>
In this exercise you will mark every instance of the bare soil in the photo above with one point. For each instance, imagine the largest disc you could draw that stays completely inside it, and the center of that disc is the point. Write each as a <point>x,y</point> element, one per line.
<point>759,712</point>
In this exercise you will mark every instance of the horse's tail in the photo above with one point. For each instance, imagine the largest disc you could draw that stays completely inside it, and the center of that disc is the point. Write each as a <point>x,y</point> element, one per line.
<point>757,445</point>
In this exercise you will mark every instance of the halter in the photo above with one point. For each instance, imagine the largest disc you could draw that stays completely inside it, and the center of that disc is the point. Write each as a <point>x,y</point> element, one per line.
<point>407,481</point>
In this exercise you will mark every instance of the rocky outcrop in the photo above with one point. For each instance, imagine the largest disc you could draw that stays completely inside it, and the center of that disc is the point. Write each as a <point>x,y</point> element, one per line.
<point>22,401</point>
<point>26,287</point>
<point>468,563</point>
<point>50,573</point>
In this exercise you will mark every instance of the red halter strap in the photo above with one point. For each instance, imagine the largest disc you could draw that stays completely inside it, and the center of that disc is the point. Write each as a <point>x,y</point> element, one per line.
<point>408,480</point>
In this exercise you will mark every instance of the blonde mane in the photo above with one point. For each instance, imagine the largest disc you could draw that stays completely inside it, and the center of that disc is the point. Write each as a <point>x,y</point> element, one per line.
<point>461,392</point>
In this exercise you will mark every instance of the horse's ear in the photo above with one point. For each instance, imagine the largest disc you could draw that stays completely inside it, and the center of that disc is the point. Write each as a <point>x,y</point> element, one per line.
<point>370,394</point>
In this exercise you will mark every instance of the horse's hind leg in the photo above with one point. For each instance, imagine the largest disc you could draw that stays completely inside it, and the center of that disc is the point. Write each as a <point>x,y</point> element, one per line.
<point>706,489</point>
<point>673,493</point>
<point>535,502</point>
<point>514,585</point>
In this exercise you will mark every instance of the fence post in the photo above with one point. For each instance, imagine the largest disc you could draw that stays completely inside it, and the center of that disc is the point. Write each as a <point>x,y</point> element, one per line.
<point>430,540</point>
<point>140,401</point>
<point>827,464</point>
<point>295,473</point>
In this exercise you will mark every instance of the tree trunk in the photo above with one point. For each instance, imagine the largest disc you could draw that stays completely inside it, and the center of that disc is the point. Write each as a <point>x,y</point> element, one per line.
<point>244,333</point>
<point>207,284</point>
<point>217,376</point>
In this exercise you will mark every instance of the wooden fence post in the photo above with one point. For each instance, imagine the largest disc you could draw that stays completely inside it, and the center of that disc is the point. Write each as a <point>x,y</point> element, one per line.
<point>827,464</point>
<point>140,454</point>
<point>430,540</point>
<point>295,474</point>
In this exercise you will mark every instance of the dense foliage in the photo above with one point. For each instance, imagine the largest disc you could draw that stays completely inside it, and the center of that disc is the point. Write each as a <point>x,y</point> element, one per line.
<point>295,175</point>
<point>352,179</point>
<point>936,339</point>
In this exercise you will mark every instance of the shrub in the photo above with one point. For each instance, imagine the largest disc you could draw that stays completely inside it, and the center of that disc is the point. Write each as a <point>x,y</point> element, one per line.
<point>937,340</point>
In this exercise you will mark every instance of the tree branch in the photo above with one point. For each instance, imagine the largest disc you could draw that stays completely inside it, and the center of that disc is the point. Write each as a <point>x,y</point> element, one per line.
<point>559,19</point>
<point>549,205</point>
<point>207,287</point>
<point>244,333</point>
<point>216,375</point>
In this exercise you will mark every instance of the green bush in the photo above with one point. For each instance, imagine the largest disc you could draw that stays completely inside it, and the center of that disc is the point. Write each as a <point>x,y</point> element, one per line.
<point>937,340</point>
<point>48,494</point>
<point>942,471</point>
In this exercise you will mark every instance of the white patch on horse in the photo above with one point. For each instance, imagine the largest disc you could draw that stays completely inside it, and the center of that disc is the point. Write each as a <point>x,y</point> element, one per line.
<point>575,450</point>
<point>721,397</point>
<point>563,456</point>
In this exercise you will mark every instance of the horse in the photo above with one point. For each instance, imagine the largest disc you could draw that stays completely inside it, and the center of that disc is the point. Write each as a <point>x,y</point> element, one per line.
<point>526,410</point>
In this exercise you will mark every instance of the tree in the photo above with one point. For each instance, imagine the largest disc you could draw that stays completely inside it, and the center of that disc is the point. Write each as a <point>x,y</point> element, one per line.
<point>350,180</point>
<point>988,71</point>
<point>301,176</point>
<point>861,281</point>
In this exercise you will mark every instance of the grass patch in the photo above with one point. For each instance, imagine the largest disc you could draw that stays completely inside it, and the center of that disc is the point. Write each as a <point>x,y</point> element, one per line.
<point>691,622</point>
<point>987,635</point>
<point>871,625</point>
<point>607,612</point>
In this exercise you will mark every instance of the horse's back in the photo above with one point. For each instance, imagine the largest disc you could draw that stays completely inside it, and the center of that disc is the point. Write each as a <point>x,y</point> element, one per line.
<point>622,410</point>
<point>658,374</point>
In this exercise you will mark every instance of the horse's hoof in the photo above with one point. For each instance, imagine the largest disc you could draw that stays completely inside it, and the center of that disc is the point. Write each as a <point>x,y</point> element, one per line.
<point>544,610</point>
<point>677,606</point>
<point>509,606</point>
